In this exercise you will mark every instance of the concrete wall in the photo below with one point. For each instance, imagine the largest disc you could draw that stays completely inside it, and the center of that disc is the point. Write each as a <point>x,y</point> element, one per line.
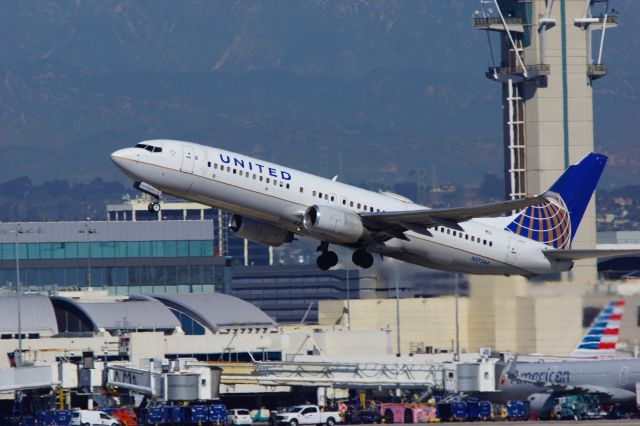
<point>422,321</point>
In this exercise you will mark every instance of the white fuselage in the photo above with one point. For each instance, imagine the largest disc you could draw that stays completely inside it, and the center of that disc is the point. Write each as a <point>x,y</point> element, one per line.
<point>279,196</point>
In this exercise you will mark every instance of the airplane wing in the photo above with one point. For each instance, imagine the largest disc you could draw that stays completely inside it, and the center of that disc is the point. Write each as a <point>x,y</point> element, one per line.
<point>578,254</point>
<point>420,220</point>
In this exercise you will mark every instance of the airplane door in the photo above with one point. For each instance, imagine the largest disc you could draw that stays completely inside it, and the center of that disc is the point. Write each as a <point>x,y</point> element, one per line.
<point>624,372</point>
<point>512,250</point>
<point>188,158</point>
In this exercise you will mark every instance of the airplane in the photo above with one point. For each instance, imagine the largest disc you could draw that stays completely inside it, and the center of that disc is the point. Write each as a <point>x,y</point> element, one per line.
<point>613,380</point>
<point>270,204</point>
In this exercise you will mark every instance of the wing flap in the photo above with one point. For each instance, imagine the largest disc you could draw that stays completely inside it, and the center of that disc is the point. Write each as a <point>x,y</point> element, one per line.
<point>579,254</point>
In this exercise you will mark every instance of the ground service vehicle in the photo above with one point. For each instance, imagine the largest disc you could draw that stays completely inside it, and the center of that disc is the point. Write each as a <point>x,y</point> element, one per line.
<point>307,415</point>
<point>92,418</point>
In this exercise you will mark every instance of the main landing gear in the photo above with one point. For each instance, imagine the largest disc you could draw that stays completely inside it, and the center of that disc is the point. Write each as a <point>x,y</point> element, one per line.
<point>327,259</point>
<point>362,258</point>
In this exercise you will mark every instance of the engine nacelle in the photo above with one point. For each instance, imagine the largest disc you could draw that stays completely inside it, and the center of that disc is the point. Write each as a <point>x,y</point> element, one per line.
<point>542,404</point>
<point>259,232</point>
<point>334,225</point>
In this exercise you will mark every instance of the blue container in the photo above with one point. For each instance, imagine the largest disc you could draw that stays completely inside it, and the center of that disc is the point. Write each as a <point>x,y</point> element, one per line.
<point>443,411</point>
<point>198,414</point>
<point>155,415</point>
<point>518,409</point>
<point>485,411</point>
<point>177,414</point>
<point>217,413</point>
<point>473,410</point>
<point>459,410</point>
<point>63,417</point>
<point>47,418</point>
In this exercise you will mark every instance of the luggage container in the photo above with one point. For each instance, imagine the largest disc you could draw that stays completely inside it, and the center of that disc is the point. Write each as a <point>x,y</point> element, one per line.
<point>218,414</point>
<point>198,414</point>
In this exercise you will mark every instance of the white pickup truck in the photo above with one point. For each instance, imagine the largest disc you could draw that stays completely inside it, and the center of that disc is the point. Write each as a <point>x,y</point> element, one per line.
<point>307,415</point>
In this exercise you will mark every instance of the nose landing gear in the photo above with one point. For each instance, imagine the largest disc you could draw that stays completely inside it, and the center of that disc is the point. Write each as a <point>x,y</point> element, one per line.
<point>154,206</point>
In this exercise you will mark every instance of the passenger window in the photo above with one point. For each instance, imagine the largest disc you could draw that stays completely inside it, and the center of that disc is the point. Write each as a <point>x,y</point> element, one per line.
<point>454,233</point>
<point>260,178</point>
<point>344,202</point>
<point>247,174</point>
<point>314,192</point>
<point>254,176</point>
<point>333,198</point>
<point>234,171</point>
<point>287,186</point>
<point>461,235</point>
<point>448,231</point>
<point>378,210</point>
<point>301,190</point>
<point>358,206</point>
<point>208,163</point>
<point>228,168</point>
<point>267,180</point>
<point>490,243</point>
<point>365,207</point>
<point>320,194</point>
<point>370,209</point>
<point>326,197</point>
<point>484,242</point>
<point>473,238</point>
<point>351,204</point>
<point>215,165</point>
<point>466,236</point>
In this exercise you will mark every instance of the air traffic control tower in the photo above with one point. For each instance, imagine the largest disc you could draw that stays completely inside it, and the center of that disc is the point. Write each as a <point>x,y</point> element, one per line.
<point>546,54</point>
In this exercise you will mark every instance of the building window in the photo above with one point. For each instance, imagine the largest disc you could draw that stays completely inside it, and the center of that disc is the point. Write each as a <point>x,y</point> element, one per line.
<point>589,313</point>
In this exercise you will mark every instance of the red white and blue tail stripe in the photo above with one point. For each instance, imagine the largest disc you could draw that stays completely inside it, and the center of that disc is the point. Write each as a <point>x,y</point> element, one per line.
<point>602,337</point>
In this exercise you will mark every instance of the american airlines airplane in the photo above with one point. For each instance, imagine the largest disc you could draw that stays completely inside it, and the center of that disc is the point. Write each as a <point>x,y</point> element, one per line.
<point>272,203</point>
<point>599,373</point>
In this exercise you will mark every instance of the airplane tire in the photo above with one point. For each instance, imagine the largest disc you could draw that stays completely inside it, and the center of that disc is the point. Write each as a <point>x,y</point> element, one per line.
<point>323,262</point>
<point>333,258</point>
<point>362,259</point>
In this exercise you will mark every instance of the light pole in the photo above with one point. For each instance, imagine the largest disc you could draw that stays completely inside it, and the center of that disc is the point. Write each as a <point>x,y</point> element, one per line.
<point>397,309</point>
<point>17,231</point>
<point>88,231</point>
<point>348,303</point>
<point>456,355</point>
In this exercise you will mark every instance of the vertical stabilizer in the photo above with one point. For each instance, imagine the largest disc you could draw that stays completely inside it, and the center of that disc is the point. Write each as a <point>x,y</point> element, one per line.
<point>602,337</point>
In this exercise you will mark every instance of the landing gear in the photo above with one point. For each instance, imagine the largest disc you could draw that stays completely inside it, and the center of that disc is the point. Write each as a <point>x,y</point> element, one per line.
<point>327,259</point>
<point>362,259</point>
<point>154,207</point>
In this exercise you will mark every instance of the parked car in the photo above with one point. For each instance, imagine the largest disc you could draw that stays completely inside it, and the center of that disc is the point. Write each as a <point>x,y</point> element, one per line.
<point>239,416</point>
<point>92,418</point>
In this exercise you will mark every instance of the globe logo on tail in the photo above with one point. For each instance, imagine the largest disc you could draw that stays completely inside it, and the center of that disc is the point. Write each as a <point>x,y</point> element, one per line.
<point>548,223</point>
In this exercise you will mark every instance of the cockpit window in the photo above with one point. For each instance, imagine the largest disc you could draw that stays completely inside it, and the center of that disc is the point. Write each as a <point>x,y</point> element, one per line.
<point>149,148</point>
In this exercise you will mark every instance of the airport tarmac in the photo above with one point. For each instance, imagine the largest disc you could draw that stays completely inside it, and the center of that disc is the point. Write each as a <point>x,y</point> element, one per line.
<point>552,422</point>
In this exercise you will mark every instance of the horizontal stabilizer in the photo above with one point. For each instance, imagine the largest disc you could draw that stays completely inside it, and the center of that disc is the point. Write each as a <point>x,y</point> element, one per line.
<point>579,254</point>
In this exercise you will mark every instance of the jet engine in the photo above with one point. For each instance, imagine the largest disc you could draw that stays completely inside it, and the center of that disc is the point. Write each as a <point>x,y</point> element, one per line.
<point>334,225</point>
<point>542,404</point>
<point>259,232</point>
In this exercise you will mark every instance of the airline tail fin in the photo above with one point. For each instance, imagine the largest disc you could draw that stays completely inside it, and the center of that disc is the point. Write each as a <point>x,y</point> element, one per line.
<point>602,336</point>
<point>555,222</point>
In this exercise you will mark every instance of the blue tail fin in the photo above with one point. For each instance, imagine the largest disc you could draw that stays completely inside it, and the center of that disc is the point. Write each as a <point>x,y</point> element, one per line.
<point>555,223</point>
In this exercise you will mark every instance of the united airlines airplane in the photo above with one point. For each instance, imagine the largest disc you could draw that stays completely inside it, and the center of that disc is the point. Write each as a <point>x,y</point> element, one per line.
<point>271,203</point>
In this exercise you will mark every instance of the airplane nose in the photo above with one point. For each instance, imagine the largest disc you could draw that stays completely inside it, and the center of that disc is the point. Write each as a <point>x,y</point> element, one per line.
<point>122,158</point>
